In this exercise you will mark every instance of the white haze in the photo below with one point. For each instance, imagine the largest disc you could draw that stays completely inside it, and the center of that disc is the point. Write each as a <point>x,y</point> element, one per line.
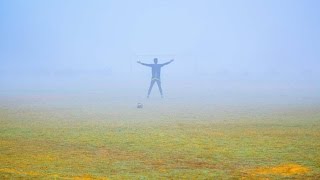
<point>266,51</point>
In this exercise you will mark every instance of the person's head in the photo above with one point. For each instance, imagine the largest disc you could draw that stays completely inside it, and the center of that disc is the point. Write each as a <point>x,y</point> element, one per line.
<point>155,60</point>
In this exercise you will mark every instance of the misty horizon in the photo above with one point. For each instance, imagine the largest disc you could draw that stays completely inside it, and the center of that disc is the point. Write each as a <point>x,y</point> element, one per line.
<point>247,48</point>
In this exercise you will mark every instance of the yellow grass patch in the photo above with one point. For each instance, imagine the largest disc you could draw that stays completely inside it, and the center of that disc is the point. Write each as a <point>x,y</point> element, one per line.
<point>86,177</point>
<point>14,171</point>
<point>5,143</point>
<point>284,170</point>
<point>36,174</point>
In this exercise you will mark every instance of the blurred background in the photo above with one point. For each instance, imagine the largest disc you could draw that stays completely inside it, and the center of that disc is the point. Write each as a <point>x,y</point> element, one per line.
<point>262,50</point>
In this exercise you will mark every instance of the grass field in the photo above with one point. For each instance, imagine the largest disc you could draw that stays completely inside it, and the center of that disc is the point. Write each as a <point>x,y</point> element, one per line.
<point>164,140</point>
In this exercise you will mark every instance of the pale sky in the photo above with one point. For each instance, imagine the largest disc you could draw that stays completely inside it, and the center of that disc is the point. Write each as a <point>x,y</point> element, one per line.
<point>92,46</point>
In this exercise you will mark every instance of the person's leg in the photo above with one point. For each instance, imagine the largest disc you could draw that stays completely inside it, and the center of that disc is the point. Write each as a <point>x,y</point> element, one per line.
<point>150,88</point>
<point>160,89</point>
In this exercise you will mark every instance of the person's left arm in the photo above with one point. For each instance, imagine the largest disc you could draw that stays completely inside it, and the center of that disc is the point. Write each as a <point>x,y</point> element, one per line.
<point>167,62</point>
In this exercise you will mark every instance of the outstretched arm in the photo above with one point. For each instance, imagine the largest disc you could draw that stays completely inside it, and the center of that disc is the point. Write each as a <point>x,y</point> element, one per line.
<point>143,63</point>
<point>168,62</point>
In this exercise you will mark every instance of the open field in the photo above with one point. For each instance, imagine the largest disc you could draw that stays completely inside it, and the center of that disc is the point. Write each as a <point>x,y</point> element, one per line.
<point>165,140</point>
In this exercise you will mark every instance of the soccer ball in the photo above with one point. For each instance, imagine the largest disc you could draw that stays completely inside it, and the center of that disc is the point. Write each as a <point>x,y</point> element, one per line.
<point>139,105</point>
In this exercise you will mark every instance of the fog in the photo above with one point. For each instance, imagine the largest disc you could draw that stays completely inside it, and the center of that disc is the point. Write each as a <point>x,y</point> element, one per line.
<point>262,50</point>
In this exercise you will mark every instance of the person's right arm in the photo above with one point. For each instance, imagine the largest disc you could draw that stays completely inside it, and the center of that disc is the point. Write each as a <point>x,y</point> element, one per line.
<point>143,63</point>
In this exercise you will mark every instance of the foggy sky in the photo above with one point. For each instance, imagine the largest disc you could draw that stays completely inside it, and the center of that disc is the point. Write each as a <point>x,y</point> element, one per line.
<point>92,46</point>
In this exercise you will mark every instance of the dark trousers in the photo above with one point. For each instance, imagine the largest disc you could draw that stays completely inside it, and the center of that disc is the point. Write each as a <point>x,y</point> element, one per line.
<point>151,85</point>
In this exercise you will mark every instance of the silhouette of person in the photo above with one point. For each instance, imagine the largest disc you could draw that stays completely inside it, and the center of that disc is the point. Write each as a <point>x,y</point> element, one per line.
<point>156,72</point>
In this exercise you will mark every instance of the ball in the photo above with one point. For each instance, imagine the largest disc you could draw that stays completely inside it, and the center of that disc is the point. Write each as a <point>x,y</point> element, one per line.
<point>139,105</point>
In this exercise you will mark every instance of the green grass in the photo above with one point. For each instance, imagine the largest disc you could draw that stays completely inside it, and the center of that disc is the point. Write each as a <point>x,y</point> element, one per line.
<point>80,143</point>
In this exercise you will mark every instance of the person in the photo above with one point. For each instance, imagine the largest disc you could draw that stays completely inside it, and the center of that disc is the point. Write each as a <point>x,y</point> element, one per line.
<point>156,72</point>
